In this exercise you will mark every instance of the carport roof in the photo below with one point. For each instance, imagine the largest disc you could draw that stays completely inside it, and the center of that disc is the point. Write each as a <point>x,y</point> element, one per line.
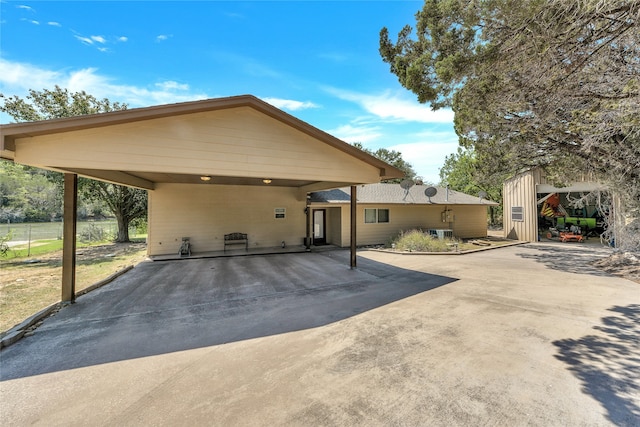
<point>9,133</point>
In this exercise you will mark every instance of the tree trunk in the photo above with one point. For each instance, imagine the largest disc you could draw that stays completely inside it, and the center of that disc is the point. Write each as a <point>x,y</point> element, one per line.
<point>123,229</point>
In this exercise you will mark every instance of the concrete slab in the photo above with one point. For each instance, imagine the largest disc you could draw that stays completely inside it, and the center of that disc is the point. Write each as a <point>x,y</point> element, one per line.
<point>526,335</point>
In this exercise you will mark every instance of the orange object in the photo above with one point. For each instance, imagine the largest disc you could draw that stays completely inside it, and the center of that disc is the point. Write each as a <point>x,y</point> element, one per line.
<point>571,237</point>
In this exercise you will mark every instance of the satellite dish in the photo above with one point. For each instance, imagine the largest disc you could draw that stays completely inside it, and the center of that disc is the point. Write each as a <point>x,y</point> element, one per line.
<point>482,195</point>
<point>430,192</point>
<point>406,184</point>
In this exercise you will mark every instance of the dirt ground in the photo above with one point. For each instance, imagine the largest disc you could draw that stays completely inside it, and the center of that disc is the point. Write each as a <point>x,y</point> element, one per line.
<point>27,285</point>
<point>624,265</point>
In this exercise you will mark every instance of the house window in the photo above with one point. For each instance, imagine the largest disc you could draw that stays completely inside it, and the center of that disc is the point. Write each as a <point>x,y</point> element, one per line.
<point>517,213</point>
<point>372,216</point>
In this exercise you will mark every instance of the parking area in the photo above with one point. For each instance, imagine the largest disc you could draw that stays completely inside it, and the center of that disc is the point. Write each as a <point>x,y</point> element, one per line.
<point>522,335</point>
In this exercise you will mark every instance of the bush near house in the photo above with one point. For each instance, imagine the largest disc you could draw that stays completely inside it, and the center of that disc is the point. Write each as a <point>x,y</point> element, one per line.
<point>417,241</point>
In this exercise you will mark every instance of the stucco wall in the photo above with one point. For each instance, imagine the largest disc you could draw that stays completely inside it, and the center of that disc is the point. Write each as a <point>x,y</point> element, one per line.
<point>205,213</point>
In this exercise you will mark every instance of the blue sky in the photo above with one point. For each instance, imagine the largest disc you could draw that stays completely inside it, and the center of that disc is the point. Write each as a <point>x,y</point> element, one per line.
<point>317,60</point>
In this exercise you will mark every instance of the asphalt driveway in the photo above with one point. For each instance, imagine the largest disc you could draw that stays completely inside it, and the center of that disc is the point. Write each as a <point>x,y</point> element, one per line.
<point>525,335</point>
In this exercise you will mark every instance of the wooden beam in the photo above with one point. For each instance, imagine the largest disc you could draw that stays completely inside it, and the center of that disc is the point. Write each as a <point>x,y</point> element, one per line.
<point>307,211</point>
<point>115,177</point>
<point>353,226</point>
<point>69,237</point>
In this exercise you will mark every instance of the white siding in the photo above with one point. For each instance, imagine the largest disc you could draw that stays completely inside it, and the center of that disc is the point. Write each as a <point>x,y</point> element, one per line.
<point>205,213</point>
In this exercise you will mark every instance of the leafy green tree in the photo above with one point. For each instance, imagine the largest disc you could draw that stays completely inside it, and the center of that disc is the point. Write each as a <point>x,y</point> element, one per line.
<point>27,195</point>
<point>462,172</point>
<point>394,158</point>
<point>550,83</point>
<point>125,203</point>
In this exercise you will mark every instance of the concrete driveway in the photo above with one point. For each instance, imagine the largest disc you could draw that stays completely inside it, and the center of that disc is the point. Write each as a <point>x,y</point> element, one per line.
<point>525,335</point>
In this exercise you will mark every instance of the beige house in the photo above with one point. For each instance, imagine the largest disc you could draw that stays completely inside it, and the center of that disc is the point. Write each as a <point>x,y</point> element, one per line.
<point>384,210</point>
<point>211,168</point>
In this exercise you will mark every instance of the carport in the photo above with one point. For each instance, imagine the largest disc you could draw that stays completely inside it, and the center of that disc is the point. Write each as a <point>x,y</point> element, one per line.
<point>211,167</point>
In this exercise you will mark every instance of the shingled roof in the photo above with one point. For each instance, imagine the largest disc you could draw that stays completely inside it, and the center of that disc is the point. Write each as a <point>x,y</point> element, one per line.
<point>394,194</point>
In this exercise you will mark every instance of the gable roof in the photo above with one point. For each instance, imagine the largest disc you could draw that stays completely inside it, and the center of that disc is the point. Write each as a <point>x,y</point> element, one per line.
<point>394,194</point>
<point>11,134</point>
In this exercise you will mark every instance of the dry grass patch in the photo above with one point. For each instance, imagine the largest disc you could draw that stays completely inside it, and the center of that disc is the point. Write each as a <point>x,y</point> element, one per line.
<point>27,285</point>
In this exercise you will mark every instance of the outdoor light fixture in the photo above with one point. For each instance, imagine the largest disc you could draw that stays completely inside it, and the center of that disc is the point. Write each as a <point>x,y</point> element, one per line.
<point>205,178</point>
<point>266,181</point>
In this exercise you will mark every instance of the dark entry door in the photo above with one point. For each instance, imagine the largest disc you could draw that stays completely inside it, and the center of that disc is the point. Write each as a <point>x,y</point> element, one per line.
<point>319,227</point>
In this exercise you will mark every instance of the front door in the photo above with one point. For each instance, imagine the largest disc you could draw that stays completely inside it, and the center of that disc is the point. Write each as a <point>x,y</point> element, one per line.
<point>319,226</point>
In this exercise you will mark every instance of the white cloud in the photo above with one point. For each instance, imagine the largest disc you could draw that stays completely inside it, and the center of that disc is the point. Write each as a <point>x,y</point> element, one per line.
<point>18,78</point>
<point>361,134</point>
<point>25,7</point>
<point>85,40</point>
<point>162,37</point>
<point>427,156</point>
<point>171,85</point>
<point>32,21</point>
<point>289,104</point>
<point>54,24</point>
<point>99,39</point>
<point>394,107</point>
<point>123,39</point>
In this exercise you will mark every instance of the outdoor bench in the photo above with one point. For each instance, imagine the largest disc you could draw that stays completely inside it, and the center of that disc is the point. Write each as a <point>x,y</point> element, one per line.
<point>236,239</point>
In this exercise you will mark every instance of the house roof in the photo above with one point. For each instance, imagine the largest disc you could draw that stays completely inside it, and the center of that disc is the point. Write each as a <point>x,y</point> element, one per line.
<point>394,194</point>
<point>11,134</point>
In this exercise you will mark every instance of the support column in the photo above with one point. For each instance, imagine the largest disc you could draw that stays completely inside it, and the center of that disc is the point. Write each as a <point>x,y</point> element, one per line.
<point>69,237</point>
<point>353,226</point>
<point>307,240</point>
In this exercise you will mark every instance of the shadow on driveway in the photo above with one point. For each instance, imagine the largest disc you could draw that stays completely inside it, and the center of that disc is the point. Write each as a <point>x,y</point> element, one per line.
<point>570,257</point>
<point>608,364</point>
<point>162,307</point>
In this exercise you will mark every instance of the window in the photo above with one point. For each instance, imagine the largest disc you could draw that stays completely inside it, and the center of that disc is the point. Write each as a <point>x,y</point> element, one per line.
<point>383,215</point>
<point>517,213</point>
<point>372,216</point>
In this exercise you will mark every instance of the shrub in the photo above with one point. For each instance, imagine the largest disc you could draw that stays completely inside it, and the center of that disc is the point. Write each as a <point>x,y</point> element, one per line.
<point>417,241</point>
<point>92,233</point>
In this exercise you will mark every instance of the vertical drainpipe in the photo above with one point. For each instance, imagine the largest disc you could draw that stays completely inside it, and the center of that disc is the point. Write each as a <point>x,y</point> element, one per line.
<point>69,238</point>
<point>353,226</point>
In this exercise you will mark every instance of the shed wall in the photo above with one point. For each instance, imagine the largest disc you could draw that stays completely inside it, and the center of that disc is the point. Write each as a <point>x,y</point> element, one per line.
<point>520,192</point>
<point>205,213</point>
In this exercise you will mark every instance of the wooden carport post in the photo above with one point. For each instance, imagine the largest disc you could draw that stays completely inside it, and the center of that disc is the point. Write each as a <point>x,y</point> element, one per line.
<point>353,226</point>
<point>69,237</point>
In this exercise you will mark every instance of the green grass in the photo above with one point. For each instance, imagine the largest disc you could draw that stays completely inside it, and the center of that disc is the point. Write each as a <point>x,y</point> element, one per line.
<point>38,247</point>
<point>43,247</point>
